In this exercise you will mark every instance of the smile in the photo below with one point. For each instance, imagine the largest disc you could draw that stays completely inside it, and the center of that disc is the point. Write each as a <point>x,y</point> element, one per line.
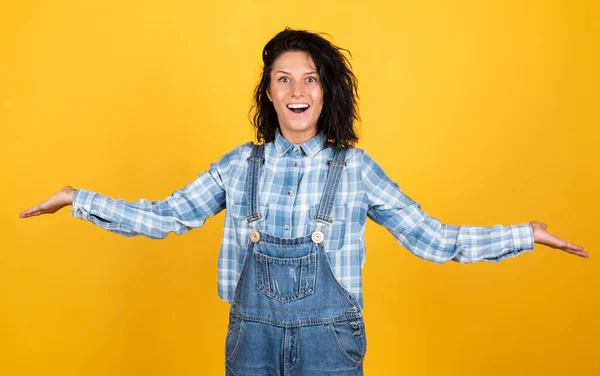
<point>298,108</point>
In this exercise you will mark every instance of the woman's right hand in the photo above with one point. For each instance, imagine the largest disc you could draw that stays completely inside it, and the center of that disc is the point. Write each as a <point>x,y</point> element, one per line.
<point>53,204</point>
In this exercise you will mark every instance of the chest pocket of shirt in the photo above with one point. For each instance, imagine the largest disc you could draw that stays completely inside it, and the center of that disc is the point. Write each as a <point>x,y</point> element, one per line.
<point>335,233</point>
<point>242,230</point>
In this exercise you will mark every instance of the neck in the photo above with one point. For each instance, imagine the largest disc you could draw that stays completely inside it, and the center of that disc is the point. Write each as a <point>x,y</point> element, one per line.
<point>298,137</point>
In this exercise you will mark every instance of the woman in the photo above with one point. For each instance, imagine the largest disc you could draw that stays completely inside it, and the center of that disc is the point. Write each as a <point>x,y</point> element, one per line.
<point>296,208</point>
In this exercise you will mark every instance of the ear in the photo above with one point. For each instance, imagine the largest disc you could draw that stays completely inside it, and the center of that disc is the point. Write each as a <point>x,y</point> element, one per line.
<point>269,95</point>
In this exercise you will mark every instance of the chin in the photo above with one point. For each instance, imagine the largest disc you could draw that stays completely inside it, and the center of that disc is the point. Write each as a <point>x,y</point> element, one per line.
<point>300,128</point>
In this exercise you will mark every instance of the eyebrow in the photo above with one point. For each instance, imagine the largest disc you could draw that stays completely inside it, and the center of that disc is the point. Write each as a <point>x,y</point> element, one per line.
<point>284,72</point>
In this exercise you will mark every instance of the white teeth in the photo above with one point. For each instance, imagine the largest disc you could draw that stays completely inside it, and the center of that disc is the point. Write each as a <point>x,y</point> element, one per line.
<point>297,105</point>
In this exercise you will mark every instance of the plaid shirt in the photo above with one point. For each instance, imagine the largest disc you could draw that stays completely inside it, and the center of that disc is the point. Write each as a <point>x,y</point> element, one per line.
<point>291,185</point>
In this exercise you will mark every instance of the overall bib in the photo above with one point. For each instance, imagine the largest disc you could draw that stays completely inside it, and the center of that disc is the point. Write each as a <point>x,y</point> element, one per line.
<point>290,316</point>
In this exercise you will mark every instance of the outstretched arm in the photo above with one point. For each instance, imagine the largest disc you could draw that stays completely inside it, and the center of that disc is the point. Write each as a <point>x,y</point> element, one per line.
<point>184,210</point>
<point>427,238</point>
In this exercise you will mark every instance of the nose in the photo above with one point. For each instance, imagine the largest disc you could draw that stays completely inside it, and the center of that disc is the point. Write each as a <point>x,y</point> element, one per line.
<point>297,89</point>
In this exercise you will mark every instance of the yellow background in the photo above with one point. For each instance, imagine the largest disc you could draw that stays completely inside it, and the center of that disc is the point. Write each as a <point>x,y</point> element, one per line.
<point>484,112</point>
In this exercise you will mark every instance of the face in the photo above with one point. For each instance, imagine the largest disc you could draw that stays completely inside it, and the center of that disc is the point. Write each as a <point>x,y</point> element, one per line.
<point>297,95</point>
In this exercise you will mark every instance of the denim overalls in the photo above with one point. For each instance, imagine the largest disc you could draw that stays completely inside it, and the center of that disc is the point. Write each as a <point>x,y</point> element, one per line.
<point>290,315</point>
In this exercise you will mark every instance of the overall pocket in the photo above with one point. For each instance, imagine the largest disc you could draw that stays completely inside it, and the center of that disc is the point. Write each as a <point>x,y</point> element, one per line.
<point>285,279</point>
<point>350,339</point>
<point>235,333</point>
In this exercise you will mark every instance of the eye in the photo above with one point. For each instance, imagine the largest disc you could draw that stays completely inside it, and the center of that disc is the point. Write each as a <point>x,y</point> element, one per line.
<point>284,79</point>
<point>311,79</point>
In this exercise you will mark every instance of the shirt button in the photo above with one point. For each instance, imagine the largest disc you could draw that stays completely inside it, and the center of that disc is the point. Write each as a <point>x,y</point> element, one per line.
<point>295,164</point>
<point>295,148</point>
<point>79,210</point>
<point>291,193</point>
<point>287,227</point>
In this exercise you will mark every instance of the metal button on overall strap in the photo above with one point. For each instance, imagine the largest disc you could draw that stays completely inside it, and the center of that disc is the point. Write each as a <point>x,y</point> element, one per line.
<point>317,237</point>
<point>254,236</point>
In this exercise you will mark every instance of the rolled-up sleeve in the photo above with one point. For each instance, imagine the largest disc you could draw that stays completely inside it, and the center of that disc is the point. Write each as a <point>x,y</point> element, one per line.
<point>184,210</point>
<point>428,238</point>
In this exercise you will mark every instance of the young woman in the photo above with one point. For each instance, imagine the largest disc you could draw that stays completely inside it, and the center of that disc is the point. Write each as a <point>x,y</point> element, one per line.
<point>296,208</point>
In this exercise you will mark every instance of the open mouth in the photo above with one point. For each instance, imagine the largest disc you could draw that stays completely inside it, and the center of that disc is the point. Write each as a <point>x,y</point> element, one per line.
<point>298,108</point>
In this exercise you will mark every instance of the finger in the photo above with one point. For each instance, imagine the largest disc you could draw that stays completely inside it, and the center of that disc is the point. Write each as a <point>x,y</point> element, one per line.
<point>583,254</point>
<point>26,213</point>
<point>574,247</point>
<point>31,212</point>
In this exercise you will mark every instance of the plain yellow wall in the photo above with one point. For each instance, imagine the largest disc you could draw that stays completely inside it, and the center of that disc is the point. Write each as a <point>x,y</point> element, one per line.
<point>484,112</point>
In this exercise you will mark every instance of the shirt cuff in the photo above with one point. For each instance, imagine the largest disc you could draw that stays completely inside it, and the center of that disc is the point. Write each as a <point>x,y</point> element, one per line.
<point>522,236</point>
<point>82,203</point>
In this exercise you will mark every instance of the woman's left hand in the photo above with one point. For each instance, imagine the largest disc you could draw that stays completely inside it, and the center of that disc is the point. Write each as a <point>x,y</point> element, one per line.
<point>541,236</point>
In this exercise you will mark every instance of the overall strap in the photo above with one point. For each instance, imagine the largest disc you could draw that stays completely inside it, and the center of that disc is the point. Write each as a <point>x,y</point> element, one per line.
<point>256,160</point>
<point>336,166</point>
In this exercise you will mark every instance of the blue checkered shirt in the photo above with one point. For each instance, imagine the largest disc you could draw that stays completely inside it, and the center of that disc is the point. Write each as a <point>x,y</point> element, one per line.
<point>291,185</point>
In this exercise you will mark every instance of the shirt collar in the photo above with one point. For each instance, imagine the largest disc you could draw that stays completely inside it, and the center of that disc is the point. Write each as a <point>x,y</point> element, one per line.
<point>310,147</point>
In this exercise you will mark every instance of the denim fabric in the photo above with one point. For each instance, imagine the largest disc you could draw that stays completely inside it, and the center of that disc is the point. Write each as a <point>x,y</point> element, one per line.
<point>290,315</point>
<point>255,348</point>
